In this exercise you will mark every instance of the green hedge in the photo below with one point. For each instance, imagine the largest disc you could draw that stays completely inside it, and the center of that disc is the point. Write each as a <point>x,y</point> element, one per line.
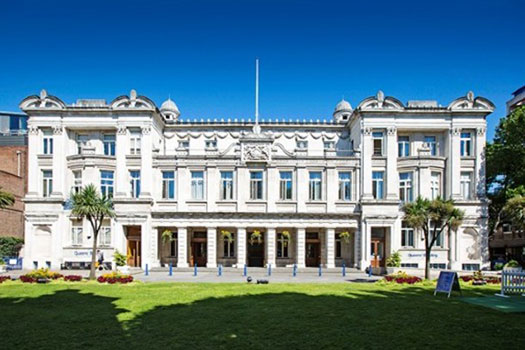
<point>10,246</point>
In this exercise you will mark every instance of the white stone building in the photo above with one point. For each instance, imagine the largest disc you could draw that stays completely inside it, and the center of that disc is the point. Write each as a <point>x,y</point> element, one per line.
<point>318,192</point>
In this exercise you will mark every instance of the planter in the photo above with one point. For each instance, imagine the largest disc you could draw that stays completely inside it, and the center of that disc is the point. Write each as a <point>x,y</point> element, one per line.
<point>123,269</point>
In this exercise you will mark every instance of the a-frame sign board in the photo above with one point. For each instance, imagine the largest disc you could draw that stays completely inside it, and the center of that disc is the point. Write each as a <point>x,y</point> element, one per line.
<point>447,282</point>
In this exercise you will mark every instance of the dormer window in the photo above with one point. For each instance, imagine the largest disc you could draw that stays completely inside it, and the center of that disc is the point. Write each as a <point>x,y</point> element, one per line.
<point>184,144</point>
<point>211,144</point>
<point>301,144</point>
<point>329,145</point>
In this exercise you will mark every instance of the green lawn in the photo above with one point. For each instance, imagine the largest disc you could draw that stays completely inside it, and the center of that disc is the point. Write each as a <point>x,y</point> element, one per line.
<point>241,316</point>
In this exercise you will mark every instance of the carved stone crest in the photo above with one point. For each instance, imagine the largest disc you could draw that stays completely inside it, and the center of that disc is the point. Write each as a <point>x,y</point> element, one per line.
<point>33,130</point>
<point>121,130</point>
<point>146,130</point>
<point>256,153</point>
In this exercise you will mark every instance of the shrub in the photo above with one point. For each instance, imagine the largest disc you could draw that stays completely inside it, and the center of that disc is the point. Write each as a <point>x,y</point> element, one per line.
<point>402,278</point>
<point>120,259</point>
<point>4,278</point>
<point>10,246</point>
<point>394,260</point>
<point>73,278</point>
<point>498,266</point>
<point>2,262</point>
<point>512,263</point>
<point>44,273</point>
<point>115,277</point>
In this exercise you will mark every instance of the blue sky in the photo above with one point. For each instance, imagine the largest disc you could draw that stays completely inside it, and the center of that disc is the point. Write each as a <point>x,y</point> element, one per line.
<point>202,53</point>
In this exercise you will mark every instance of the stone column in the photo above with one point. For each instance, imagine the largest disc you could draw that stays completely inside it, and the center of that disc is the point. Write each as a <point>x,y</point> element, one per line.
<point>301,188</point>
<point>212,247</point>
<point>146,163</point>
<point>366,237</point>
<point>301,247</point>
<point>392,177</point>
<point>452,250</point>
<point>241,247</point>
<point>270,246</point>
<point>33,141</point>
<point>121,176</point>
<point>182,249</point>
<point>366,162</point>
<point>357,252</point>
<point>454,164</point>
<point>330,248</point>
<point>272,189</point>
<point>479,174</point>
<point>145,240</point>
<point>59,156</point>
<point>332,188</point>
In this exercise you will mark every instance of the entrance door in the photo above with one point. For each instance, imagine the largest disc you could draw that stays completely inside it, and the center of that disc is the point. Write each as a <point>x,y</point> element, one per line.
<point>256,254</point>
<point>134,252</point>
<point>377,247</point>
<point>313,254</point>
<point>198,253</point>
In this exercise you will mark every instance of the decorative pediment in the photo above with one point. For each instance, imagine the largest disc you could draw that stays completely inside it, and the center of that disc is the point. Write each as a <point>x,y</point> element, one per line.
<point>380,102</point>
<point>471,103</point>
<point>256,148</point>
<point>133,102</point>
<point>44,101</point>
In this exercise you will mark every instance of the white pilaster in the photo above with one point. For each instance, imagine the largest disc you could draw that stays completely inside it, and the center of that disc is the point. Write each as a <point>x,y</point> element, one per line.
<point>332,183</point>
<point>146,163</point>
<point>28,249</point>
<point>272,188</point>
<point>58,161</point>
<point>212,247</point>
<point>330,248</point>
<point>301,247</point>
<point>366,162</point>
<point>121,176</point>
<point>455,163</point>
<point>357,247</point>
<point>392,177</point>
<point>301,188</point>
<point>33,141</point>
<point>182,249</point>
<point>270,246</point>
<point>145,240</point>
<point>241,247</point>
<point>479,175</point>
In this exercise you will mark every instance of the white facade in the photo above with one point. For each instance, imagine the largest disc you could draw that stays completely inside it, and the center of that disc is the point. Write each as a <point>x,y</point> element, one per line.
<point>311,180</point>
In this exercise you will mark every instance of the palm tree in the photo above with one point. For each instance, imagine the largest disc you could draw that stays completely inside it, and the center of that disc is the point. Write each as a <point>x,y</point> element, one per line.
<point>432,217</point>
<point>6,199</point>
<point>89,204</point>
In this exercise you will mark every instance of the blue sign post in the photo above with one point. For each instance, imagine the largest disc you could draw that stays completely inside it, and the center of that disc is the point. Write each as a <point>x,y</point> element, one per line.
<point>344,270</point>
<point>294,270</point>
<point>171,269</point>
<point>447,282</point>
<point>147,270</point>
<point>269,269</point>
<point>219,272</point>
<point>320,270</point>
<point>245,271</point>
<point>195,269</point>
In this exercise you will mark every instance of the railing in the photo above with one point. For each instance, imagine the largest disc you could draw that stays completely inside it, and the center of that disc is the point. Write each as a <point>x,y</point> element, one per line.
<point>512,282</point>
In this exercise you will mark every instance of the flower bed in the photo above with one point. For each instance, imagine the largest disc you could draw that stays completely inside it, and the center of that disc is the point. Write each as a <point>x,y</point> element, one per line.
<point>115,277</point>
<point>72,278</point>
<point>4,278</point>
<point>402,278</point>
<point>40,275</point>
<point>479,280</point>
<point>27,279</point>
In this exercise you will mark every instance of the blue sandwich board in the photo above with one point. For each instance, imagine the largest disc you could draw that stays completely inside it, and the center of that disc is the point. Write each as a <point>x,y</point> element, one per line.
<point>447,282</point>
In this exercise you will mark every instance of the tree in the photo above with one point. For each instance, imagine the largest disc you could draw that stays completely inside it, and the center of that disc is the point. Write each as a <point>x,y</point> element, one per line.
<point>505,160</point>
<point>6,199</point>
<point>514,210</point>
<point>89,204</point>
<point>433,218</point>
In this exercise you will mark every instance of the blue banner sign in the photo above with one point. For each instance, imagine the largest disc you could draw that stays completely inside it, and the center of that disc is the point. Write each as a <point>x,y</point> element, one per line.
<point>447,282</point>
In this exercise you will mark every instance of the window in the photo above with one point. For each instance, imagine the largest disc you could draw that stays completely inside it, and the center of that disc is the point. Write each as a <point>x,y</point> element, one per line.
<point>76,235</point>
<point>229,247</point>
<point>173,247</point>
<point>104,236</point>
<point>438,266</point>
<point>403,146</point>
<point>316,183</point>
<point>211,144</point>
<point>430,142</point>
<point>301,144</point>
<point>77,181</point>
<point>227,185</point>
<point>345,181</point>
<point>378,184</point>
<point>410,265</point>
<point>106,183</point>
<point>47,145</point>
<point>47,182</point>
<point>197,185</point>
<point>466,144</point>
<point>256,185</point>
<point>377,138</point>
<point>282,246</point>
<point>184,144</point>
<point>135,142</point>
<point>285,185</point>
<point>338,247</point>
<point>440,243</point>
<point>465,185</point>
<point>135,183</point>
<point>109,145</point>
<point>82,141</point>
<point>405,187</point>
<point>407,235</point>
<point>168,185</point>
<point>470,267</point>
<point>435,185</point>
<point>329,145</point>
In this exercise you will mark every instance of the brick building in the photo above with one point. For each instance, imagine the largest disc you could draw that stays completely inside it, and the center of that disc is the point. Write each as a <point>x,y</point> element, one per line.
<point>13,170</point>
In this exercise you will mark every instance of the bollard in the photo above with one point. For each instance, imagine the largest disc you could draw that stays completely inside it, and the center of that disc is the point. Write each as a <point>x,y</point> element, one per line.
<point>245,271</point>
<point>370,271</point>
<point>269,269</point>
<point>219,273</point>
<point>171,269</point>
<point>344,270</point>
<point>195,269</point>
<point>147,271</point>
<point>320,270</point>
<point>294,270</point>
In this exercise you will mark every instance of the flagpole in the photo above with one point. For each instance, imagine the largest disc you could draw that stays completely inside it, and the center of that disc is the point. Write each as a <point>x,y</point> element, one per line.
<point>256,91</point>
